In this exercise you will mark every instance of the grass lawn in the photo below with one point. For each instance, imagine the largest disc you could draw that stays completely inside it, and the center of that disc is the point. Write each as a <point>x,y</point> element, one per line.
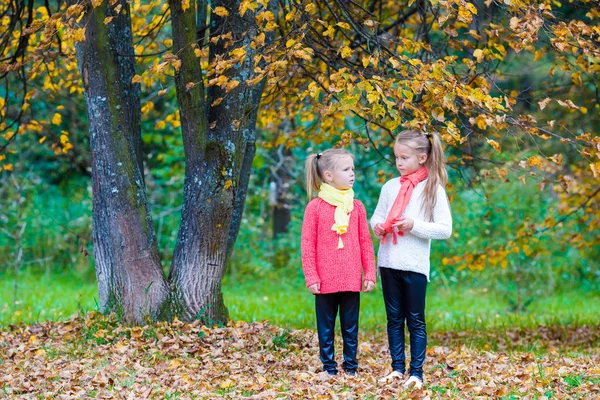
<point>285,302</point>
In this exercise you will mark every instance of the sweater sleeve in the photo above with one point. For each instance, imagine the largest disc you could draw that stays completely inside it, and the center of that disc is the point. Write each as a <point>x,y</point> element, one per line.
<point>308,244</point>
<point>366,244</point>
<point>379,216</point>
<point>441,227</point>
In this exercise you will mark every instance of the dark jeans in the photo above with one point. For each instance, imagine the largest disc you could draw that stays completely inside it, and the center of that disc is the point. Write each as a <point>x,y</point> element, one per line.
<point>404,296</point>
<point>327,306</point>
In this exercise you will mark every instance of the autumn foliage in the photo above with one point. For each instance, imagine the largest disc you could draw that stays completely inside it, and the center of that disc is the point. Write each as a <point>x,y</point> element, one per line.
<point>511,86</point>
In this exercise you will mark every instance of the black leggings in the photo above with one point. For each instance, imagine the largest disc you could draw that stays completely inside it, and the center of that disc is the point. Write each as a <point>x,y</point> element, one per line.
<point>327,306</point>
<point>404,296</point>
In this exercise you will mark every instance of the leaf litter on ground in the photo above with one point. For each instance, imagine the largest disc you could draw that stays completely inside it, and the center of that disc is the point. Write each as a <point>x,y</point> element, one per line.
<point>93,356</point>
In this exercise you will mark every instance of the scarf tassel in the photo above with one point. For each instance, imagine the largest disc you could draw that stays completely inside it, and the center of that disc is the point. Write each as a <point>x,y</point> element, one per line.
<point>395,236</point>
<point>340,243</point>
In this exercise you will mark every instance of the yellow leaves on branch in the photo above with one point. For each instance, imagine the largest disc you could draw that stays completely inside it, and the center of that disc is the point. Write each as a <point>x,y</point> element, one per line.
<point>544,103</point>
<point>252,5</point>
<point>495,145</point>
<point>57,119</point>
<point>345,52</point>
<point>269,18</point>
<point>221,11</point>
<point>185,5</point>
<point>568,103</point>
<point>224,82</point>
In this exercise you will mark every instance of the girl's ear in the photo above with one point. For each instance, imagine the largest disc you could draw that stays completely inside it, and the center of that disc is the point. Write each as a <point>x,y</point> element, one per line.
<point>422,158</point>
<point>327,177</point>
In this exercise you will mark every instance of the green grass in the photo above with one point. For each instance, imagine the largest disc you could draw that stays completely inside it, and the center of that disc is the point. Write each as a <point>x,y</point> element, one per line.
<point>287,303</point>
<point>284,301</point>
<point>41,297</point>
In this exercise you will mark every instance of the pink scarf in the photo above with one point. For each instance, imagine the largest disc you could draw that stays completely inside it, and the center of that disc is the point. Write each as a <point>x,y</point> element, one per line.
<point>408,183</point>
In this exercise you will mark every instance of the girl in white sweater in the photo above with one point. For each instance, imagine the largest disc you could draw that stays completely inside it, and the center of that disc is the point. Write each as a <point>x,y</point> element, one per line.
<point>412,210</point>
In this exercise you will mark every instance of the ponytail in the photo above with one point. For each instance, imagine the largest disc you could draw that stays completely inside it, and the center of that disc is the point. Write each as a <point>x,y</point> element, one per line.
<point>313,180</point>
<point>430,144</point>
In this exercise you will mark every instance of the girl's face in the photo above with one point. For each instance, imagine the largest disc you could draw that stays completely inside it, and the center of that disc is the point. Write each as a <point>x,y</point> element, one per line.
<point>407,159</point>
<point>342,177</point>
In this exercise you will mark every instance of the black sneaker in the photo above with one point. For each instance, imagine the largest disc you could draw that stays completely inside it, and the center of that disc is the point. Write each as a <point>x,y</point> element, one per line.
<point>351,372</point>
<point>332,372</point>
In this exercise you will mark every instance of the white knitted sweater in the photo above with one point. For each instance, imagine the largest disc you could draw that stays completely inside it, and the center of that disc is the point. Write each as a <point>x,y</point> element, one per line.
<point>411,252</point>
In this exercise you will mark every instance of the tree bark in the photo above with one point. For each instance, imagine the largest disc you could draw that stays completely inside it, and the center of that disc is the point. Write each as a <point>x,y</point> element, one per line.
<point>282,214</point>
<point>128,269</point>
<point>218,162</point>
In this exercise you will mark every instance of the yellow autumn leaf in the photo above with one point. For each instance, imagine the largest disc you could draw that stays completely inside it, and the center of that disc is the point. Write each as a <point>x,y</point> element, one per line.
<point>107,20</point>
<point>568,103</point>
<point>79,35</point>
<point>270,26</point>
<point>346,52</point>
<point>344,25</point>
<point>221,11</point>
<point>42,139</point>
<point>394,62</point>
<point>537,55</point>
<point>258,41</point>
<point>595,167</point>
<point>478,54</point>
<point>185,5</point>
<point>310,7</point>
<point>246,5</point>
<point>495,145</point>
<point>232,84</point>
<point>240,53</point>
<point>472,8</point>
<point>136,79</point>
<point>544,103</point>
<point>227,383</point>
<point>330,32</point>
<point>57,119</point>
<point>438,114</point>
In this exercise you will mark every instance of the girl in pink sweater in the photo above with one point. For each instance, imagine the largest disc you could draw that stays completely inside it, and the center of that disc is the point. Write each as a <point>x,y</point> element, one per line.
<point>336,250</point>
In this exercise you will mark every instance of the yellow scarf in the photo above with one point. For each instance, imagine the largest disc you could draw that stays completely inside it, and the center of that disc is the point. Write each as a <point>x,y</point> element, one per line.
<point>343,200</point>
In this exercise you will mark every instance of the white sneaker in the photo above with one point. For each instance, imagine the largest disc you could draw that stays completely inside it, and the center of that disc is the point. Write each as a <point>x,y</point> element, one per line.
<point>413,381</point>
<point>390,377</point>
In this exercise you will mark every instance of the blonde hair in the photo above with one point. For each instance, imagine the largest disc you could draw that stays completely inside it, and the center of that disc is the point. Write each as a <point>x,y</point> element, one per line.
<point>430,144</point>
<point>317,164</point>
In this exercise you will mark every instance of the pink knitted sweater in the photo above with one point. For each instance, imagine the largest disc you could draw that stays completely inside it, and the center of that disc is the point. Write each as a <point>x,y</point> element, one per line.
<point>337,270</point>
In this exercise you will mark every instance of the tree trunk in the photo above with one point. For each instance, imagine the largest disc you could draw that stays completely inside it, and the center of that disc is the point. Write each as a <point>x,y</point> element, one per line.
<point>282,214</point>
<point>130,277</point>
<point>218,162</point>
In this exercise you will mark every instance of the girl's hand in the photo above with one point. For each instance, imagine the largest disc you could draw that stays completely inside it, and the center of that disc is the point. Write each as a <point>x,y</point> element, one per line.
<point>378,229</point>
<point>315,289</point>
<point>368,286</point>
<point>405,224</point>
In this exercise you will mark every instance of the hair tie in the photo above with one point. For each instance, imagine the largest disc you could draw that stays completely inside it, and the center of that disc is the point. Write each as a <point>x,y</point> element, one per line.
<point>319,155</point>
